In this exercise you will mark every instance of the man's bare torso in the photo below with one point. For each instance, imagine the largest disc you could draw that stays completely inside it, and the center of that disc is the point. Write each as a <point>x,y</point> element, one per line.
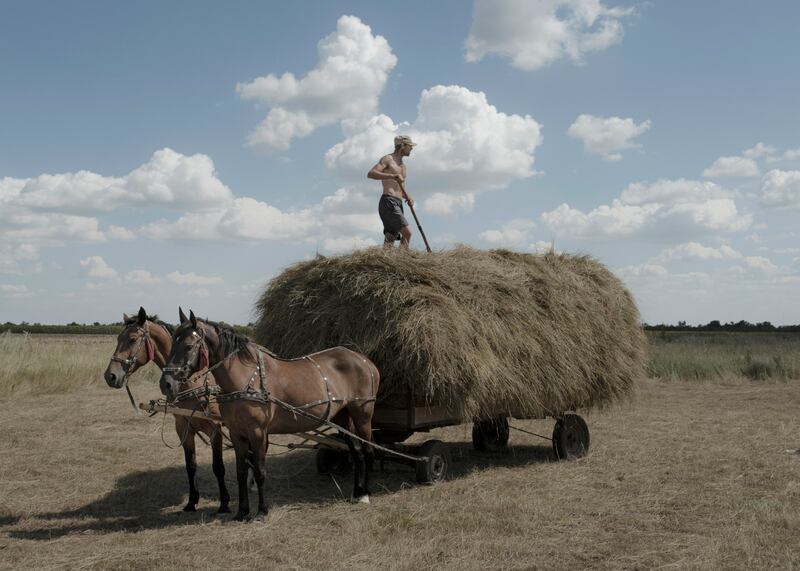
<point>391,186</point>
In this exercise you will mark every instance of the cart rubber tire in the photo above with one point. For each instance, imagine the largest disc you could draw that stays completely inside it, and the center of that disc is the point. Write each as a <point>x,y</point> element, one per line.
<point>333,461</point>
<point>490,435</point>
<point>435,468</point>
<point>570,437</point>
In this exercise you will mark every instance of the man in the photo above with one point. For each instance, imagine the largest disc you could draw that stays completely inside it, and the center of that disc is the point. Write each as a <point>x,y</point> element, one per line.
<point>391,171</point>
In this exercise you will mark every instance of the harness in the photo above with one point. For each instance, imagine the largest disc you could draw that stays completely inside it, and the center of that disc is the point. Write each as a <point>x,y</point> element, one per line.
<point>262,394</point>
<point>253,392</point>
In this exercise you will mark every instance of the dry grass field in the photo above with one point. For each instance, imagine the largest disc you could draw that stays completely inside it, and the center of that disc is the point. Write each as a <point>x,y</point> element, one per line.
<point>692,474</point>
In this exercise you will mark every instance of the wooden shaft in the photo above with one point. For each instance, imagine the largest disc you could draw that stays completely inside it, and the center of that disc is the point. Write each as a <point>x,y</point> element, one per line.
<point>421,231</point>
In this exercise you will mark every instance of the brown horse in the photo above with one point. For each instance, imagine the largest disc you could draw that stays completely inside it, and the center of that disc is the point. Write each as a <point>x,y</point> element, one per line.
<point>258,392</point>
<point>144,339</point>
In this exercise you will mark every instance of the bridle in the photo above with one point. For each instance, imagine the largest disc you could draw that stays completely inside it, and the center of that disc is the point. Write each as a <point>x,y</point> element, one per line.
<point>145,341</point>
<point>199,352</point>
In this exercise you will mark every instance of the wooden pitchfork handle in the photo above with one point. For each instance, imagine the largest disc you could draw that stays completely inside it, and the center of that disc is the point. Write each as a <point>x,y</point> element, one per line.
<point>421,231</point>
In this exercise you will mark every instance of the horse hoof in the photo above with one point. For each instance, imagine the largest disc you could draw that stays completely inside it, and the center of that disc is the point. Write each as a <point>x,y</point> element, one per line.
<point>190,508</point>
<point>239,516</point>
<point>361,500</point>
<point>224,510</point>
<point>260,518</point>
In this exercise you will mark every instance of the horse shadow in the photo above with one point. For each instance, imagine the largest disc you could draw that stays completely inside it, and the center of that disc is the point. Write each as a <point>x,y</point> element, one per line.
<point>152,499</point>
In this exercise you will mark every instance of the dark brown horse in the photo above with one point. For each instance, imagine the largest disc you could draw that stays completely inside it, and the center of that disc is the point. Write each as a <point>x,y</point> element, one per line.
<point>144,339</point>
<point>259,390</point>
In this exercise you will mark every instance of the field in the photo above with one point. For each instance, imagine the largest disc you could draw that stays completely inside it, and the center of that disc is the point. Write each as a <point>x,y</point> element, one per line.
<point>700,471</point>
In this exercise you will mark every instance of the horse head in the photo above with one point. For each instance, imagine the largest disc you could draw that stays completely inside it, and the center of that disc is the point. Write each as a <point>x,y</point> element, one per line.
<point>193,344</point>
<point>198,345</point>
<point>135,349</point>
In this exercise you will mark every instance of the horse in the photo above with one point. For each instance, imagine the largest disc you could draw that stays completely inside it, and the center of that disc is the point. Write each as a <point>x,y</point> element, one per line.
<point>261,394</point>
<point>144,339</point>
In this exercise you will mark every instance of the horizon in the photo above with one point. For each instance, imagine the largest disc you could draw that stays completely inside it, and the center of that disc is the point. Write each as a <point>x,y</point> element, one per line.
<point>166,155</point>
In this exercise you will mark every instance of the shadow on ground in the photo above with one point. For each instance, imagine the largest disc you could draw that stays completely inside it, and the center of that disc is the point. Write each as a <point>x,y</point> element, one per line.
<point>153,499</point>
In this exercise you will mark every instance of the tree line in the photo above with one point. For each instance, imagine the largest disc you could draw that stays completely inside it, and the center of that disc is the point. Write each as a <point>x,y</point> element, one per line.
<point>74,328</point>
<point>716,325</point>
<point>97,328</point>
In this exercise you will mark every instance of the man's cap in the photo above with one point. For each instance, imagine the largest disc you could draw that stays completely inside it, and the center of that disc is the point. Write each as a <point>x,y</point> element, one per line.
<point>403,140</point>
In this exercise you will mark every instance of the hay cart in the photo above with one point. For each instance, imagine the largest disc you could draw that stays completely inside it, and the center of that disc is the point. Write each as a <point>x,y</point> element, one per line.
<point>398,419</point>
<point>489,335</point>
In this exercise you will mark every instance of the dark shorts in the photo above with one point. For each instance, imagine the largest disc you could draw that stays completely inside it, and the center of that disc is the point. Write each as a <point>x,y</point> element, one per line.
<point>390,209</point>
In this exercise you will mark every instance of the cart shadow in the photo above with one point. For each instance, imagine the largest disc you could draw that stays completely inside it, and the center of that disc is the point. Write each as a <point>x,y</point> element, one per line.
<point>153,499</point>
<point>464,460</point>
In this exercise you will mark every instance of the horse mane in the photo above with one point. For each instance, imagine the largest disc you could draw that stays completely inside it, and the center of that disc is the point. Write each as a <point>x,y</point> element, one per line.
<point>154,318</point>
<point>230,340</point>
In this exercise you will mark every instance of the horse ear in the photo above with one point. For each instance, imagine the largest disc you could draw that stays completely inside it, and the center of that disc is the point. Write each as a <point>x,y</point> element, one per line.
<point>125,317</point>
<point>182,315</point>
<point>142,317</point>
<point>193,319</point>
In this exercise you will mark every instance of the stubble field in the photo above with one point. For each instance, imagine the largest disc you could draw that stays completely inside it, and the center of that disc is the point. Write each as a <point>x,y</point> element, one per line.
<point>699,470</point>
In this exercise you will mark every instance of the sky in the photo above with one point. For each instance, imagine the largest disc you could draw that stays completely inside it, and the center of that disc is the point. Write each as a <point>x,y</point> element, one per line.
<point>183,153</point>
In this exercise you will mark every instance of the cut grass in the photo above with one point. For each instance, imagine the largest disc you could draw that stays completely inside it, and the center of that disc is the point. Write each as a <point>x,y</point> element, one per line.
<point>689,475</point>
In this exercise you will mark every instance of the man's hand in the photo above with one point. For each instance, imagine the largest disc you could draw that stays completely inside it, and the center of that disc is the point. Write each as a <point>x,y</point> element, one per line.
<point>399,178</point>
<point>409,200</point>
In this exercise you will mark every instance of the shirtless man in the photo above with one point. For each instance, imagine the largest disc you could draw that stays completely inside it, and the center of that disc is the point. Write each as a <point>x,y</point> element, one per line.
<point>391,171</point>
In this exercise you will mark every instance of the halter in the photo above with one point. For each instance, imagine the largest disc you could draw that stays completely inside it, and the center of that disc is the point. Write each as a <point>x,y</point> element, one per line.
<point>133,356</point>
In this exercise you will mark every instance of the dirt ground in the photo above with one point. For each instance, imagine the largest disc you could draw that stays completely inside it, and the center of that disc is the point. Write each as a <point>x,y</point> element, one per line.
<point>689,475</point>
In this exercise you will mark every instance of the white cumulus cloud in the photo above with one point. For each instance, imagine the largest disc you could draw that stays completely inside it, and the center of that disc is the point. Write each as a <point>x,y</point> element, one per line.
<point>97,267</point>
<point>14,290</point>
<point>241,219</point>
<point>141,277</point>
<point>663,210</point>
<point>513,233</point>
<point>732,167</point>
<point>464,146</point>
<point>607,136</point>
<point>169,179</point>
<point>781,189</point>
<point>442,204</point>
<point>349,77</point>
<point>761,263</point>
<point>192,279</point>
<point>335,245</point>
<point>696,252</point>
<point>534,34</point>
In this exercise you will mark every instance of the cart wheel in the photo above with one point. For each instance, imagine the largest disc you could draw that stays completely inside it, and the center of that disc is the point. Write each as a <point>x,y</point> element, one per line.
<point>570,437</point>
<point>490,435</point>
<point>333,461</point>
<point>434,469</point>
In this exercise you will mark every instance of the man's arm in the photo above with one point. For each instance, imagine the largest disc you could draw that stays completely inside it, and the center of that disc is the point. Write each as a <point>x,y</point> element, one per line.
<point>377,172</point>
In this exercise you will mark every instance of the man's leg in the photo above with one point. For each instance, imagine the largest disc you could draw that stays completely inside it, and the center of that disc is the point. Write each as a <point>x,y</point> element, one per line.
<point>388,239</point>
<point>405,232</point>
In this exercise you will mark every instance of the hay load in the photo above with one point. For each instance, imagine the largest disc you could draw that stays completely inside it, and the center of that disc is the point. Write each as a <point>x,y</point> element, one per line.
<point>481,332</point>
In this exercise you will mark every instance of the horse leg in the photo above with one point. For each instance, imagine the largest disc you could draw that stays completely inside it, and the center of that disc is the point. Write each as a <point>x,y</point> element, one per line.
<point>363,428</point>
<point>259,443</point>
<point>218,465</point>
<point>359,469</point>
<point>242,447</point>
<point>361,425</point>
<point>186,432</point>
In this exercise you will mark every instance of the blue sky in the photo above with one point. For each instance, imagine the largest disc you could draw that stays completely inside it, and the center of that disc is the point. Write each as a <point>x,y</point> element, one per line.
<point>155,153</point>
